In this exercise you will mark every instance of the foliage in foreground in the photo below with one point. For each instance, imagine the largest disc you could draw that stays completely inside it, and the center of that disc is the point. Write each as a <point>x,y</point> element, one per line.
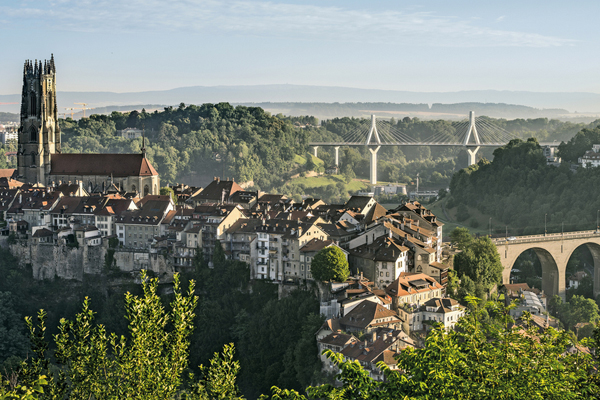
<point>482,359</point>
<point>485,357</point>
<point>93,364</point>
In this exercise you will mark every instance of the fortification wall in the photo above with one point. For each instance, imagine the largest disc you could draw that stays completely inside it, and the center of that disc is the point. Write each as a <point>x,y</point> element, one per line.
<point>49,260</point>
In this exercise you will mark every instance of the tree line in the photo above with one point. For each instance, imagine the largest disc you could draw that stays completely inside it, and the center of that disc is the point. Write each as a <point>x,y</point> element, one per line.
<point>521,191</point>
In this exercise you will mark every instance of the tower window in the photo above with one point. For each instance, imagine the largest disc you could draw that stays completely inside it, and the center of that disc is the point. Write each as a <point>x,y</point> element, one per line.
<point>33,136</point>
<point>146,190</point>
<point>32,104</point>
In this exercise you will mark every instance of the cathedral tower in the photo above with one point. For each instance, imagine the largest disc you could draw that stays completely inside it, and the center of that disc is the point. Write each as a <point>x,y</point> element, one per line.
<point>39,134</point>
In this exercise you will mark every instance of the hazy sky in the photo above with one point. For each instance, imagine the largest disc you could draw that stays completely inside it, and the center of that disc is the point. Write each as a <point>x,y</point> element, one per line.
<point>139,45</point>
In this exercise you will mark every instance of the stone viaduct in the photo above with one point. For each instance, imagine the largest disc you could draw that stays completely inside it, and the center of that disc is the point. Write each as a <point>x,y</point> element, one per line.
<point>554,251</point>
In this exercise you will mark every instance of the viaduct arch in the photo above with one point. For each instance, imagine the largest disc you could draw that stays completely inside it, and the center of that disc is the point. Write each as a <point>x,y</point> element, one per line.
<point>554,251</point>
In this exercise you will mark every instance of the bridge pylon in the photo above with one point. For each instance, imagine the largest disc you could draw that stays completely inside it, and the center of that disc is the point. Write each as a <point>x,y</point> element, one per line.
<point>374,164</point>
<point>373,133</point>
<point>472,148</point>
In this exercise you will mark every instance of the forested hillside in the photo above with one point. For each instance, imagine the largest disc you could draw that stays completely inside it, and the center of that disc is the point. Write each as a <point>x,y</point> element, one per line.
<point>191,144</point>
<point>520,190</point>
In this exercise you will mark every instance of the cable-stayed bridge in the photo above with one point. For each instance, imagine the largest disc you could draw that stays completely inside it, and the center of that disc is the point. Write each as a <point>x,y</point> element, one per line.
<point>472,133</point>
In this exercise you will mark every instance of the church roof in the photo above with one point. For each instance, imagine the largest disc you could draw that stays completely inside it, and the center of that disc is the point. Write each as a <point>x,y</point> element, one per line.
<point>119,165</point>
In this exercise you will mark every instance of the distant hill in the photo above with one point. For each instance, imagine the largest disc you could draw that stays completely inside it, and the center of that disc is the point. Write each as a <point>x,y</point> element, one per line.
<point>8,117</point>
<point>423,111</point>
<point>572,101</point>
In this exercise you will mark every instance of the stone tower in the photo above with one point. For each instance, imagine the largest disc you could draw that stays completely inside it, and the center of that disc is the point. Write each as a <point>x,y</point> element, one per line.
<point>39,134</point>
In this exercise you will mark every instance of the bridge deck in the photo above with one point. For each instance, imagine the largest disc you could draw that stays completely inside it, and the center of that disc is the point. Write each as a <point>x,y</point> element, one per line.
<point>420,144</point>
<point>545,238</point>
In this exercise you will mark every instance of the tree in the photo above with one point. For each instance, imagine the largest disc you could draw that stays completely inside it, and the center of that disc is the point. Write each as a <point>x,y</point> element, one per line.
<point>164,191</point>
<point>148,364</point>
<point>480,262</point>
<point>330,264</point>
<point>461,238</point>
<point>12,335</point>
<point>462,213</point>
<point>348,173</point>
<point>217,382</point>
<point>578,309</point>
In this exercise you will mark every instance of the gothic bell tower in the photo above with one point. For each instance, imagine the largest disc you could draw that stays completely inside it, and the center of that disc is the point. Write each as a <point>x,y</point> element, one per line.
<point>39,134</point>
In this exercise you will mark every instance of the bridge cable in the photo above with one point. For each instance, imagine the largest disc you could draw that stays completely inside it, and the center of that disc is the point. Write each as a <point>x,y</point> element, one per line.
<point>355,135</point>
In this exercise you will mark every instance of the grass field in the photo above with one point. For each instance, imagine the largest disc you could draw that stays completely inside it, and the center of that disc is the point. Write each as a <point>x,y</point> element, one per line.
<point>302,160</point>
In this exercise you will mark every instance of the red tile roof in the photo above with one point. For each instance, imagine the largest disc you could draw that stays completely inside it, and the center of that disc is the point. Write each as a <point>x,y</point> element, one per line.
<point>119,165</point>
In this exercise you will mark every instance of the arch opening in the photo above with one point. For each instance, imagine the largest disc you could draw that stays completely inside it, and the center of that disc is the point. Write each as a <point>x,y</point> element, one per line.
<point>583,271</point>
<point>527,269</point>
<point>541,271</point>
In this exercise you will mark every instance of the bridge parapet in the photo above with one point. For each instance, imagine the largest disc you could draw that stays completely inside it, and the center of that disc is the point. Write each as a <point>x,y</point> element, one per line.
<point>545,238</point>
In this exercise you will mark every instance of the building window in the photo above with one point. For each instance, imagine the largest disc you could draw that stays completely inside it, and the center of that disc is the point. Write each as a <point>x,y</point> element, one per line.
<point>32,105</point>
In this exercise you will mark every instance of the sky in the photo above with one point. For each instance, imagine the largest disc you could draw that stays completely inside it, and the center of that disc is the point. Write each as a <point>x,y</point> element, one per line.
<point>422,46</point>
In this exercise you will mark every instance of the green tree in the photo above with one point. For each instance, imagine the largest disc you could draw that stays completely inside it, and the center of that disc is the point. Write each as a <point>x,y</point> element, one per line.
<point>330,264</point>
<point>578,309</point>
<point>462,214</point>
<point>218,381</point>
<point>148,364</point>
<point>12,334</point>
<point>164,191</point>
<point>461,238</point>
<point>480,262</point>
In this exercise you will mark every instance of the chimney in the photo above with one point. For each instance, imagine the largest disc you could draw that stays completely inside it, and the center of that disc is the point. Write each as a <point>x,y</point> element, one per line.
<point>374,336</point>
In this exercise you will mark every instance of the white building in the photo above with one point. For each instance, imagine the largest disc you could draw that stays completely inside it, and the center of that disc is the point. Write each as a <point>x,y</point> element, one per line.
<point>446,311</point>
<point>131,133</point>
<point>5,136</point>
<point>591,158</point>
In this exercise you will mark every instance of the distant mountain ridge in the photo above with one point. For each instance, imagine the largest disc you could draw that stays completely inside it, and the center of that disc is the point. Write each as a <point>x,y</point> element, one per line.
<point>283,93</point>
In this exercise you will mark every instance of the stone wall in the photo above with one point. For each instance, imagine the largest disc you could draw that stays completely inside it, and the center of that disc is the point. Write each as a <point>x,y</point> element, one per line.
<point>134,261</point>
<point>49,260</point>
